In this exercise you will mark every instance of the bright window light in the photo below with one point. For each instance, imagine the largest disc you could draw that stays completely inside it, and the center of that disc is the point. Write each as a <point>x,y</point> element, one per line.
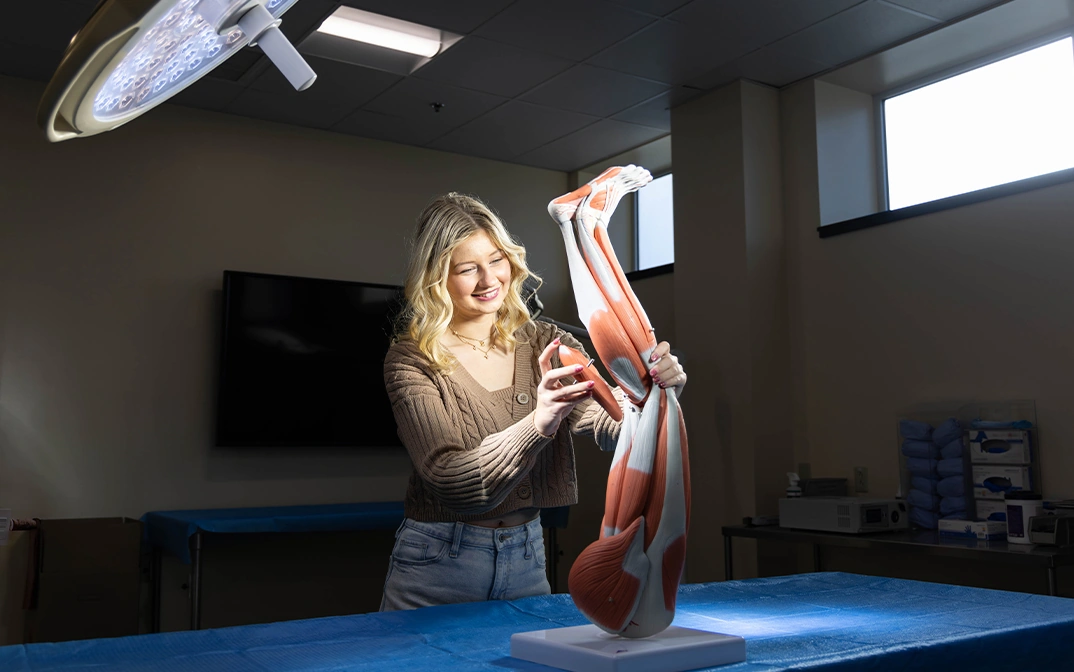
<point>656,224</point>
<point>1002,122</point>
<point>382,31</point>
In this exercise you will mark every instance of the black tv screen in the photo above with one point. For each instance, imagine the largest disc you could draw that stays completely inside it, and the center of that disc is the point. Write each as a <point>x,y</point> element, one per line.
<point>302,362</point>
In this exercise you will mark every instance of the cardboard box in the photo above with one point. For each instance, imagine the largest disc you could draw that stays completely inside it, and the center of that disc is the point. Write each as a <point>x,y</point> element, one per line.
<point>987,508</point>
<point>85,580</point>
<point>973,529</point>
<point>992,481</point>
<point>1000,446</point>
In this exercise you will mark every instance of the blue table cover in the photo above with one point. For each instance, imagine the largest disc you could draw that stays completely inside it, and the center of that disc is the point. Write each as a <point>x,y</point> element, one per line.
<point>171,530</point>
<point>825,621</point>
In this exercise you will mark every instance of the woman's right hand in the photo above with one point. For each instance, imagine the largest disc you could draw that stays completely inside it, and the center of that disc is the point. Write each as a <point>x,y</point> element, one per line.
<point>555,400</point>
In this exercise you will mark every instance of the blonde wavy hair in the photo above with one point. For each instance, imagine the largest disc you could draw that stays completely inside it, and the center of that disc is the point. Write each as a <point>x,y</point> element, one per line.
<point>442,226</point>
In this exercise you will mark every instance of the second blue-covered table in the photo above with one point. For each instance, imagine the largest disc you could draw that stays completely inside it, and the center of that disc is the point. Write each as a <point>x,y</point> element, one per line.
<point>180,533</point>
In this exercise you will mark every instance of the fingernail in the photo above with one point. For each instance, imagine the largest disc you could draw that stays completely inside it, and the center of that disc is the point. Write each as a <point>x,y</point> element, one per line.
<point>590,384</point>
<point>653,373</point>
<point>662,385</point>
<point>578,368</point>
<point>555,342</point>
<point>652,357</point>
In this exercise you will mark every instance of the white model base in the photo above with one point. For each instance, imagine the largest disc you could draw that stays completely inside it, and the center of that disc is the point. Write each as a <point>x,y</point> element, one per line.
<point>587,648</point>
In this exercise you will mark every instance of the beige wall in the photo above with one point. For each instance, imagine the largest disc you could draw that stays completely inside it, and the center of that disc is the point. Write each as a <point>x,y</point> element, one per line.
<point>111,254</point>
<point>967,304</point>
<point>730,311</point>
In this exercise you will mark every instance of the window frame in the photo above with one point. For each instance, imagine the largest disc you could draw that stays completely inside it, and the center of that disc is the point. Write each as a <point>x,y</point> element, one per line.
<point>653,270</point>
<point>886,215</point>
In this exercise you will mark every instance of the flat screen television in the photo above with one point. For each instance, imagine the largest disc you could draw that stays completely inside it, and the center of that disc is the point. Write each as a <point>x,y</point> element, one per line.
<point>302,360</point>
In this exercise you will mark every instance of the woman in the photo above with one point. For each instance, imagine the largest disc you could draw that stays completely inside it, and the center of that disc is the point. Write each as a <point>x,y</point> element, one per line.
<point>485,413</point>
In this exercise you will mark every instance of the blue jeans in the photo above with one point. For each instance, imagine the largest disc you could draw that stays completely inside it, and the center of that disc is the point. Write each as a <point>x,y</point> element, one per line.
<point>446,563</point>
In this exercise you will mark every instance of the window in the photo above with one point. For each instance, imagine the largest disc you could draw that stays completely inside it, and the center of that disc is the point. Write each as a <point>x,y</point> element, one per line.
<point>655,225</point>
<point>1005,121</point>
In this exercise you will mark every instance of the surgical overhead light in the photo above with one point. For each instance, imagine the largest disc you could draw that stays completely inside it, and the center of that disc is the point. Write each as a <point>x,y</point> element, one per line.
<point>133,55</point>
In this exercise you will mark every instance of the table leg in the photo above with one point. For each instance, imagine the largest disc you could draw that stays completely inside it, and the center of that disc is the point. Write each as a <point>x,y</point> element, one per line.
<point>155,577</point>
<point>1052,589</point>
<point>728,572</point>
<point>195,582</point>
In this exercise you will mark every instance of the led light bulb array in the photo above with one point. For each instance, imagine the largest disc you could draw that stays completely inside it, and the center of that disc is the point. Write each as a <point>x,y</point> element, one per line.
<point>135,54</point>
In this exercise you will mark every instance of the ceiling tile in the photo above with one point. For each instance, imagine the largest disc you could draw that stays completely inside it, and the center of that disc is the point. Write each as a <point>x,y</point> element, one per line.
<point>404,113</point>
<point>455,17</point>
<point>656,112</point>
<point>305,17</point>
<point>769,66</point>
<point>755,23</point>
<point>29,62</point>
<point>341,84</point>
<point>208,93</point>
<point>380,126</point>
<point>669,52</point>
<point>49,25</point>
<point>860,30</point>
<point>775,68</point>
<point>945,10</point>
<point>491,67</point>
<point>238,64</point>
<point>286,109</point>
<point>595,91</point>
<point>591,144</point>
<point>655,7</point>
<point>414,97</point>
<point>565,28</point>
<point>512,129</point>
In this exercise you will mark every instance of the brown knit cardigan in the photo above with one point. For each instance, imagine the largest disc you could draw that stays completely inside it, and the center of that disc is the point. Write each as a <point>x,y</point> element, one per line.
<point>475,458</point>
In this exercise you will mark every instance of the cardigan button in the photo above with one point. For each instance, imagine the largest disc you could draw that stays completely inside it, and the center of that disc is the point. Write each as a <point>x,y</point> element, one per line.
<point>524,492</point>
<point>522,398</point>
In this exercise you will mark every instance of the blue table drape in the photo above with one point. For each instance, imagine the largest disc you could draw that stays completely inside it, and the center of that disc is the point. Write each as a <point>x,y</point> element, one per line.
<point>171,530</point>
<point>824,621</point>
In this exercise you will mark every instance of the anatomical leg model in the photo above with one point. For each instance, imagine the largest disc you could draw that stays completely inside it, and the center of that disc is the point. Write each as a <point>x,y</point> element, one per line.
<point>626,581</point>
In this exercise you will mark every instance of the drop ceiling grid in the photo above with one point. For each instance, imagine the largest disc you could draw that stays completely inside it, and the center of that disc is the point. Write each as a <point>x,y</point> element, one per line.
<point>538,81</point>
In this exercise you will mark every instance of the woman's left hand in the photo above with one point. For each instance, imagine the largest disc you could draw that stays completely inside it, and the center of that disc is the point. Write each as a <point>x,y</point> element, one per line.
<point>665,369</point>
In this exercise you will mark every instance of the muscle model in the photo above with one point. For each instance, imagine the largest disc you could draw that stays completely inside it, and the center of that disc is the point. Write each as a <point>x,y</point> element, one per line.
<point>626,581</point>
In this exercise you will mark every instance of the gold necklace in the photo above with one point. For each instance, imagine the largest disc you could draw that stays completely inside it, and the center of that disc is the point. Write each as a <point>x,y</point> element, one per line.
<point>468,340</point>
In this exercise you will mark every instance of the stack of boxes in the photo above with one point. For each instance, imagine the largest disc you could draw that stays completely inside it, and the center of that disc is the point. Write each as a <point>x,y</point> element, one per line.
<point>934,458</point>
<point>959,461</point>
<point>1002,462</point>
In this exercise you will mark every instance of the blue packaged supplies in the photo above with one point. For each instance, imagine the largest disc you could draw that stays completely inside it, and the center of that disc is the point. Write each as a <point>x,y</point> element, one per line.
<point>913,429</point>
<point>949,430</point>
<point>952,449</point>
<point>922,500</point>
<point>916,448</point>
<point>951,467</point>
<point>951,505</point>
<point>920,466</point>
<point>924,484</point>
<point>952,486</point>
<point>923,518</point>
<point>1004,424</point>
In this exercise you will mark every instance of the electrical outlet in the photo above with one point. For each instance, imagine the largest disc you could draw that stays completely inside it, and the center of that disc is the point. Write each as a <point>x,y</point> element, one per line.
<point>861,479</point>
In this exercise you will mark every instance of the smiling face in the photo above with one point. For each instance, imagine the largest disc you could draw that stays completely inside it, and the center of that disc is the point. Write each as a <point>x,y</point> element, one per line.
<point>479,275</point>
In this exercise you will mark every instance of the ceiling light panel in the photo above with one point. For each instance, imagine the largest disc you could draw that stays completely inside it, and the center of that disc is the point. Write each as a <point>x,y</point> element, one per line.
<point>383,31</point>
